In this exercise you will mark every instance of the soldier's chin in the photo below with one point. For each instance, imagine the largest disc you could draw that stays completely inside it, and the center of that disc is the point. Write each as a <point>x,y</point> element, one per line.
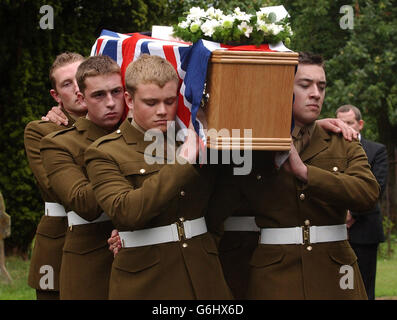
<point>159,127</point>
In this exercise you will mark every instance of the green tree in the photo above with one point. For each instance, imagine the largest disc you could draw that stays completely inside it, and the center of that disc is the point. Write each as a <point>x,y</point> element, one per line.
<point>363,73</point>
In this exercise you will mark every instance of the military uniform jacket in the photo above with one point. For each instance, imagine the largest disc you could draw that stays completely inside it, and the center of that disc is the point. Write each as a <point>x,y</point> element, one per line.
<point>50,234</point>
<point>138,195</point>
<point>339,177</point>
<point>86,259</point>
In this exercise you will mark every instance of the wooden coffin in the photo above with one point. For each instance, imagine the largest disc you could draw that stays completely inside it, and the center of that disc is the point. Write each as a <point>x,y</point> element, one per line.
<point>250,90</point>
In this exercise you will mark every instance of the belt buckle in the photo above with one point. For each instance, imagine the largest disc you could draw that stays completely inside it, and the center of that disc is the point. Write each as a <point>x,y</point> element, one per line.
<point>306,234</point>
<point>181,229</point>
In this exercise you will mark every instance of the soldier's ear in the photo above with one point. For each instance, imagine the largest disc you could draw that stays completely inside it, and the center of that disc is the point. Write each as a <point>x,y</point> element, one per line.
<point>129,100</point>
<point>55,95</point>
<point>80,97</point>
<point>361,124</point>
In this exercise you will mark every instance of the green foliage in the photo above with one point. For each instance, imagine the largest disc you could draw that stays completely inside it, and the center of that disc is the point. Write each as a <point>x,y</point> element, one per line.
<point>316,25</point>
<point>363,72</point>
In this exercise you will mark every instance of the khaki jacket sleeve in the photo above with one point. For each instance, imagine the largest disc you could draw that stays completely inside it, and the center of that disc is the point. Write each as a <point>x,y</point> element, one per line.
<point>128,206</point>
<point>353,187</point>
<point>32,137</point>
<point>68,180</point>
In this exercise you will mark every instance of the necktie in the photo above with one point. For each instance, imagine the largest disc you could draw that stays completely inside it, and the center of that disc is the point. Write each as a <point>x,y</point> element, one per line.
<point>302,140</point>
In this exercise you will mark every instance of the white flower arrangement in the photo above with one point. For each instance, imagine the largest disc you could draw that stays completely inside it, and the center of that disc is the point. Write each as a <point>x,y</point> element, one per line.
<point>237,27</point>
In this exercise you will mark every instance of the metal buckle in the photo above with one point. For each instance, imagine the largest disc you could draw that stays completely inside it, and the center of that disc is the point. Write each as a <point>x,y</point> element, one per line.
<point>181,229</point>
<point>306,234</point>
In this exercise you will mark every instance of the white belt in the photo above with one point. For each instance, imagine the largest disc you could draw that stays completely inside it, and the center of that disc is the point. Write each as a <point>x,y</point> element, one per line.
<point>53,209</point>
<point>74,219</point>
<point>303,235</point>
<point>240,224</point>
<point>171,233</point>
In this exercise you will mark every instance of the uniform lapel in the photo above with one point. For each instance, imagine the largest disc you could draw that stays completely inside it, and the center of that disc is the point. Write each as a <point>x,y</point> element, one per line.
<point>133,136</point>
<point>318,143</point>
<point>93,131</point>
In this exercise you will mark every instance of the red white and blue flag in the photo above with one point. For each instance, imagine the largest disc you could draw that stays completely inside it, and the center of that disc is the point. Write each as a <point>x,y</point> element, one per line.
<point>189,60</point>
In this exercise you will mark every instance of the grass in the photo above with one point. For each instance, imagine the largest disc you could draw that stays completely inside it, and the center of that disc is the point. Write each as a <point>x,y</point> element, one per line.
<point>18,289</point>
<point>386,274</point>
<point>386,278</point>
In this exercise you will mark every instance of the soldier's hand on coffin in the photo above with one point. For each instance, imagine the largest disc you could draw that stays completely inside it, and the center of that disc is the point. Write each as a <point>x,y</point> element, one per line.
<point>295,165</point>
<point>190,148</point>
<point>56,115</point>
<point>114,242</point>
<point>338,126</point>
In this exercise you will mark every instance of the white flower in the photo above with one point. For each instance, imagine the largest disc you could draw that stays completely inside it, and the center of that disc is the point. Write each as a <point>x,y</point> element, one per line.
<point>261,15</point>
<point>261,25</point>
<point>195,13</point>
<point>227,21</point>
<point>214,13</point>
<point>183,24</point>
<point>245,28</point>
<point>209,26</point>
<point>241,15</point>
<point>237,11</point>
<point>275,29</point>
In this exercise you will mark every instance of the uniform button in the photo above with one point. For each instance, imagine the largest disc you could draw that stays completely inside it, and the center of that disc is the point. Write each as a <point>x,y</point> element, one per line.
<point>309,248</point>
<point>184,245</point>
<point>118,131</point>
<point>182,193</point>
<point>302,196</point>
<point>142,171</point>
<point>335,169</point>
<point>307,222</point>
<point>258,177</point>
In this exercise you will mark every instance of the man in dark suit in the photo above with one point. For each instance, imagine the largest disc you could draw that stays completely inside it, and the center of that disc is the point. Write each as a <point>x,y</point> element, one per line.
<point>365,228</point>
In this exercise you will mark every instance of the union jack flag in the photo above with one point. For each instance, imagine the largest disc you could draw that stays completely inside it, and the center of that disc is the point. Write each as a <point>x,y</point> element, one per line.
<point>189,60</point>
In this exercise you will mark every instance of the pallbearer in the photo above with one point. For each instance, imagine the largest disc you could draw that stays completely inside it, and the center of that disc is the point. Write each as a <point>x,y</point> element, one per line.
<point>158,208</point>
<point>50,235</point>
<point>86,261</point>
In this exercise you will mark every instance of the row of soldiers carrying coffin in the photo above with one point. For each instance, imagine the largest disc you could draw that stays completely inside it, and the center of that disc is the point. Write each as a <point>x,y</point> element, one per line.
<point>185,230</point>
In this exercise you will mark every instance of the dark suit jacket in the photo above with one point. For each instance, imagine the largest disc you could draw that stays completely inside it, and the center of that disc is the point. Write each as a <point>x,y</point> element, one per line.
<point>368,228</point>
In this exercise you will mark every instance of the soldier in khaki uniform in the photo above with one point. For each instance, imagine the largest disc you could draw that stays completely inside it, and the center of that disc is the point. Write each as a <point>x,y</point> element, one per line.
<point>50,234</point>
<point>159,208</point>
<point>303,252</point>
<point>86,261</point>
<point>240,237</point>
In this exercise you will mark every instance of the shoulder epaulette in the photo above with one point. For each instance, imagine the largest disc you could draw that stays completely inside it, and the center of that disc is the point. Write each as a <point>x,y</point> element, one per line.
<point>109,137</point>
<point>60,132</point>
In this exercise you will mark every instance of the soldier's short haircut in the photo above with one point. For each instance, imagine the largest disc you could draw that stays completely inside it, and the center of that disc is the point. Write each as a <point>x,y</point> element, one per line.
<point>62,60</point>
<point>310,58</point>
<point>347,108</point>
<point>95,66</point>
<point>149,69</point>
